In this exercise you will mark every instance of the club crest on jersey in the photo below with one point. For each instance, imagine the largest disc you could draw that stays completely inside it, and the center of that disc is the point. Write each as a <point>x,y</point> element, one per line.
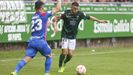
<point>68,16</point>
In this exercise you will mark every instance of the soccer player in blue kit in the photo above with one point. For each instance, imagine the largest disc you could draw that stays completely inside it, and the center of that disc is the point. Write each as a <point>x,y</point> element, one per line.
<point>37,41</point>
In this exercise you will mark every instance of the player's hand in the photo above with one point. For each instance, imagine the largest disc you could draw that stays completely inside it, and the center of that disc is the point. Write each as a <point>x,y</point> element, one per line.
<point>102,21</point>
<point>55,19</point>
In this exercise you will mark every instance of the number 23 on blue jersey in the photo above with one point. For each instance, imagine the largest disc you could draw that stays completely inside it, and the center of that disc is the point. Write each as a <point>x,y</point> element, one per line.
<point>36,25</point>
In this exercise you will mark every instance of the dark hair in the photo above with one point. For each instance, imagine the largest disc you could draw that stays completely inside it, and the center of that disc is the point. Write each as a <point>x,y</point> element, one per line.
<point>75,4</point>
<point>38,4</point>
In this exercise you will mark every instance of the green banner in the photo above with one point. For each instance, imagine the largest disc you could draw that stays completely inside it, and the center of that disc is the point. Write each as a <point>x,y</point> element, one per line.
<point>16,16</point>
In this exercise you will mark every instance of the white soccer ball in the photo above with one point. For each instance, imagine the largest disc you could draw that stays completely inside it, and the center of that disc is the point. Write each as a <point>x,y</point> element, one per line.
<point>80,69</point>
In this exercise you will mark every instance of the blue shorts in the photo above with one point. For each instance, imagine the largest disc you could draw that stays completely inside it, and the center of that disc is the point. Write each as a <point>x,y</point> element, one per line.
<point>36,45</point>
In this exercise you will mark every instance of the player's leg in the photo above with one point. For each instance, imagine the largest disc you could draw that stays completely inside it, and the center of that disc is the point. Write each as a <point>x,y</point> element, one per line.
<point>71,47</point>
<point>45,50</point>
<point>61,60</point>
<point>72,44</point>
<point>48,63</point>
<point>69,56</point>
<point>64,51</point>
<point>22,63</point>
<point>30,53</point>
<point>63,54</point>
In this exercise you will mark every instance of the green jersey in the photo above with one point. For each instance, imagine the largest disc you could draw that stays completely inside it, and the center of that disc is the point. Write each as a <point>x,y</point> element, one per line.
<point>71,22</point>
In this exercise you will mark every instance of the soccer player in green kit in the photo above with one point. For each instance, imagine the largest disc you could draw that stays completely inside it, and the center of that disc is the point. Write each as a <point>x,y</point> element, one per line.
<point>71,19</point>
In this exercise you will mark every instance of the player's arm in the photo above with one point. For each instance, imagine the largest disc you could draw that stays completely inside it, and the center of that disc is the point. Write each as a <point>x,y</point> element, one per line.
<point>54,22</point>
<point>56,19</point>
<point>57,8</point>
<point>83,16</point>
<point>98,20</point>
<point>55,27</point>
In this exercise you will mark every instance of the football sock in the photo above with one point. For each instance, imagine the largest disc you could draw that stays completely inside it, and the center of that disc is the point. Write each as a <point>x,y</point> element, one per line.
<point>48,63</point>
<point>68,58</point>
<point>20,65</point>
<point>61,59</point>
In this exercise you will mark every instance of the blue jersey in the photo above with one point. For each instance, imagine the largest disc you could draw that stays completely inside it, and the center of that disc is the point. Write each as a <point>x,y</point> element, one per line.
<point>39,24</point>
<point>38,34</point>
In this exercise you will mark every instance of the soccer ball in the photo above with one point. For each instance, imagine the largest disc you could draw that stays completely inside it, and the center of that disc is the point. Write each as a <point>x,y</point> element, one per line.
<point>80,69</point>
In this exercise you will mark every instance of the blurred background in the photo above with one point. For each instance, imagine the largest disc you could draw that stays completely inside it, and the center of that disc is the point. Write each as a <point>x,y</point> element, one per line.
<point>104,48</point>
<point>89,0</point>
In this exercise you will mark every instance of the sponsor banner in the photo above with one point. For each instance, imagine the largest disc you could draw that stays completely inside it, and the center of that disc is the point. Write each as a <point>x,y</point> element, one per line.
<point>15,21</point>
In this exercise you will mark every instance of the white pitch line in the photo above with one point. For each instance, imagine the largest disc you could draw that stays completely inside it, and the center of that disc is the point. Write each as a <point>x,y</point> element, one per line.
<point>96,53</point>
<point>101,53</point>
<point>92,53</point>
<point>16,59</point>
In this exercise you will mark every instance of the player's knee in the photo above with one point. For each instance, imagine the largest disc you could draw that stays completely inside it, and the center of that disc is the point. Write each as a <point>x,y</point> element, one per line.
<point>70,53</point>
<point>49,56</point>
<point>27,59</point>
<point>65,52</point>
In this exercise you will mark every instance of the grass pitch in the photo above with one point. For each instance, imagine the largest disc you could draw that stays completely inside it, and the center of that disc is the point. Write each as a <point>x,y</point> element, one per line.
<point>102,61</point>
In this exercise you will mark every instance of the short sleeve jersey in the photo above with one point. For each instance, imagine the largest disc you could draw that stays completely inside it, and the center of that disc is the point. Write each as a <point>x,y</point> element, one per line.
<point>39,24</point>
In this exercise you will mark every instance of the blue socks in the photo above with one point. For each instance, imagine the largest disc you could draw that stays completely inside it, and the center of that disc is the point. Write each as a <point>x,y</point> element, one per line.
<point>20,65</point>
<point>48,63</point>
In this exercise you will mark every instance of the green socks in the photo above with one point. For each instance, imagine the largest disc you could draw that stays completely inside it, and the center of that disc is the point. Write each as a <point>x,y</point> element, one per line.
<point>68,58</point>
<point>61,59</point>
<point>64,59</point>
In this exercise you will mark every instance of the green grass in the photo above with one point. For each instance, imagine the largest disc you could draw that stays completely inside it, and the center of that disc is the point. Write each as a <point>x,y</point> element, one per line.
<point>104,61</point>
